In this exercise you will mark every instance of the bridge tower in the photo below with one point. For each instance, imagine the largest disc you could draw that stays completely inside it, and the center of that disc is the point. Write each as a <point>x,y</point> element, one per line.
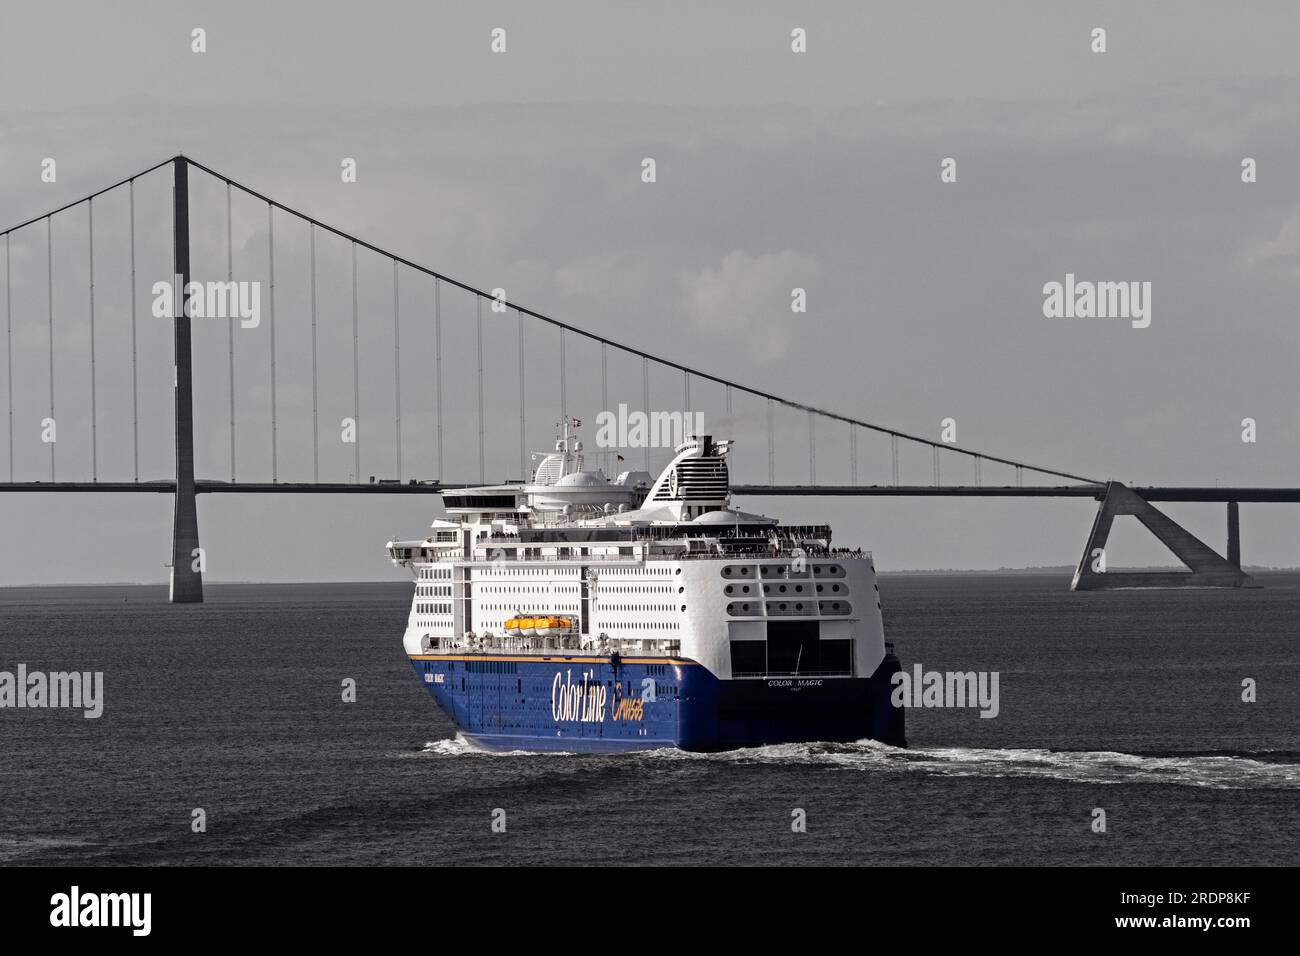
<point>186,575</point>
<point>1206,567</point>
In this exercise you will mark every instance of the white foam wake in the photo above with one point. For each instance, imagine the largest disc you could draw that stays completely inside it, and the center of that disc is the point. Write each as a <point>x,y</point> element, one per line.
<point>458,746</point>
<point>1224,772</point>
<point>1096,767</point>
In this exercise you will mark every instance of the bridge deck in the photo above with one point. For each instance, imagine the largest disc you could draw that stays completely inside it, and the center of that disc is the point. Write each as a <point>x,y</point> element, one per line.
<point>1152,493</point>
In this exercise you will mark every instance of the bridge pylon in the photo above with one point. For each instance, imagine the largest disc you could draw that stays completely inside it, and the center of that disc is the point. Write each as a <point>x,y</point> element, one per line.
<point>187,557</point>
<point>1206,567</point>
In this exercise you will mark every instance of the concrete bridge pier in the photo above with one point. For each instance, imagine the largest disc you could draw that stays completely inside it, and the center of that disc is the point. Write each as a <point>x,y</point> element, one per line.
<point>1206,567</point>
<point>1234,536</point>
<point>187,557</point>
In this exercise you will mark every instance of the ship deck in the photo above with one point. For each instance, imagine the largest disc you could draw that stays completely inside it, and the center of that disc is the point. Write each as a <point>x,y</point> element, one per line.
<point>541,647</point>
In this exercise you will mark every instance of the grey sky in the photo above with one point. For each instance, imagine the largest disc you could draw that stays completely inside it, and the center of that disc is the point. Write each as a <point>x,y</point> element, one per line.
<point>821,170</point>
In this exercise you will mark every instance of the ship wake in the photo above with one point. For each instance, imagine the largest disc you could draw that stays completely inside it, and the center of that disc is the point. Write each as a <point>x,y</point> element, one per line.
<point>1228,770</point>
<point>459,746</point>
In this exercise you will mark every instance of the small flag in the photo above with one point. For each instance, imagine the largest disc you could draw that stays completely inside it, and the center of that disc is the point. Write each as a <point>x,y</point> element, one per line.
<point>577,423</point>
<point>620,457</point>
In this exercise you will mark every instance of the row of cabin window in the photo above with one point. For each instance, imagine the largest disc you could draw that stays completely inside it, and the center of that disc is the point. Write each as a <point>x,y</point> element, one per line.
<point>531,572</point>
<point>516,572</point>
<point>516,589</point>
<point>642,625</point>
<point>633,607</point>
<point>559,608</point>
<point>769,588</point>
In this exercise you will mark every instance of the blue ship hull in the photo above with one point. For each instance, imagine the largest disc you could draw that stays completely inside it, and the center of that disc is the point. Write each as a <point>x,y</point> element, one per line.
<point>611,704</point>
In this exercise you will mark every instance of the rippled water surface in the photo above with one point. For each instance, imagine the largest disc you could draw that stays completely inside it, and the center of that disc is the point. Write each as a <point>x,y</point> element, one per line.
<point>1125,701</point>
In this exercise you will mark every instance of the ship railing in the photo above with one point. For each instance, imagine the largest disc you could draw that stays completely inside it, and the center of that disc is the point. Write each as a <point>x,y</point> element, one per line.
<point>512,555</point>
<point>630,648</point>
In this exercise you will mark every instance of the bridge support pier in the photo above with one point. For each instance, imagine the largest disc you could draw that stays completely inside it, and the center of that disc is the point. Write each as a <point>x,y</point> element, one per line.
<point>187,557</point>
<point>1234,536</point>
<point>1207,569</point>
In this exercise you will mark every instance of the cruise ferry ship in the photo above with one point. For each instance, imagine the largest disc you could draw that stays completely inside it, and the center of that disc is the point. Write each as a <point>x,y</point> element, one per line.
<point>581,612</point>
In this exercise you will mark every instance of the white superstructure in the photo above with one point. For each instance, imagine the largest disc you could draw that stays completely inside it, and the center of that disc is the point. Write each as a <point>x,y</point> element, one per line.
<point>635,565</point>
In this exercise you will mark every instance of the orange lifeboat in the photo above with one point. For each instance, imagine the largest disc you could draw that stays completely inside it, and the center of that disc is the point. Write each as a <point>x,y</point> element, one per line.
<point>540,626</point>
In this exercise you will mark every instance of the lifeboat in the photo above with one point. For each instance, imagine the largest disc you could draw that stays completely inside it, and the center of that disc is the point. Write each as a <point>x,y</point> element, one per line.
<point>548,626</point>
<point>552,626</point>
<point>520,626</point>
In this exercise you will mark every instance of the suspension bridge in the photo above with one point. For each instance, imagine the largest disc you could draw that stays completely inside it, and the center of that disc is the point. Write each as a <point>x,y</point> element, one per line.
<point>446,404</point>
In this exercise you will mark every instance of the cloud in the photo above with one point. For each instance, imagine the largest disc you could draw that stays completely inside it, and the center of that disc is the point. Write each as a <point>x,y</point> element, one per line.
<point>609,274</point>
<point>747,299</point>
<point>1279,255</point>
